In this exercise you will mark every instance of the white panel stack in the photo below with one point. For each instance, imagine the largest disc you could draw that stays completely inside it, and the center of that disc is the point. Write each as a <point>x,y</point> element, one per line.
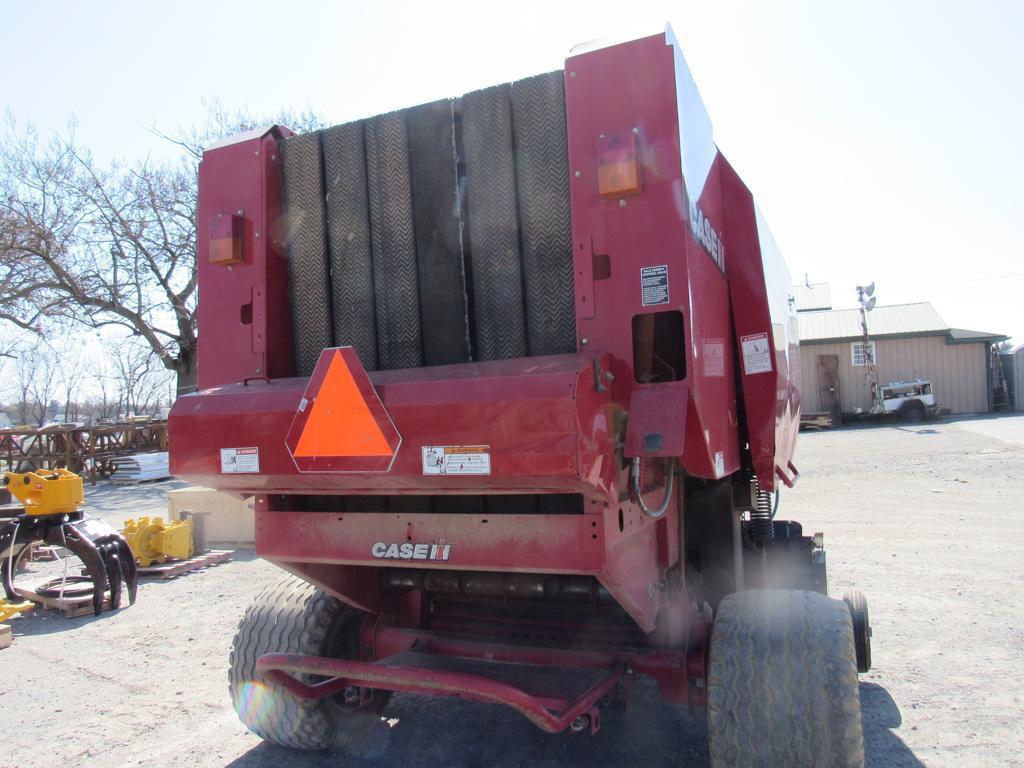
<point>141,467</point>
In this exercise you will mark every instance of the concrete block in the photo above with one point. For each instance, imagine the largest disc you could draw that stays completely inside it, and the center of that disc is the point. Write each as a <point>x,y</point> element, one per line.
<point>230,520</point>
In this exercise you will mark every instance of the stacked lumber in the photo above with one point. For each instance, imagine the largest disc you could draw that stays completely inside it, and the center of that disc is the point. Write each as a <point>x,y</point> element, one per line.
<point>141,467</point>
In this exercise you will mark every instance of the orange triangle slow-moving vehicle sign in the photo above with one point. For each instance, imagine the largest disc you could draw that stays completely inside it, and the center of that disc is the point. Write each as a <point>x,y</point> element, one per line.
<point>340,424</point>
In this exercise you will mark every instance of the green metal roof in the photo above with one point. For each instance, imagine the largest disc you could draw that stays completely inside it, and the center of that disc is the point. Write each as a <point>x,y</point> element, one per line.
<point>892,321</point>
<point>963,336</point>
<point>812,297</point>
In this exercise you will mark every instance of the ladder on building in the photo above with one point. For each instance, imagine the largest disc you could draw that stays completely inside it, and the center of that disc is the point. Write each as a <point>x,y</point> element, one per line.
<point>1000,390</point>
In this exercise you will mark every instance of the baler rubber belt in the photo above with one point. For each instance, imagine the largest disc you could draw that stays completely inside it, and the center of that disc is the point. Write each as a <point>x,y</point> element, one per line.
<point>307,255</point>
<point>393,242</point>
<point>444,304</point>
<point>348,236</point>
<point>493,224</point>
<point>542,179</point>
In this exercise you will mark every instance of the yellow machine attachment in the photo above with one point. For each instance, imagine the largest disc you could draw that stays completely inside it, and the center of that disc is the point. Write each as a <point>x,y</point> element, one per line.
<point>9,608</point>
<point>46,492</point>
<point>154,541</point>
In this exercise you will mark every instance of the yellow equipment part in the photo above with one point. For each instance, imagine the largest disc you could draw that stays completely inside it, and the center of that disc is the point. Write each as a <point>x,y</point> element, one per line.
<point>8,609</point>
<point>46,492</point>
<point>154,541</point>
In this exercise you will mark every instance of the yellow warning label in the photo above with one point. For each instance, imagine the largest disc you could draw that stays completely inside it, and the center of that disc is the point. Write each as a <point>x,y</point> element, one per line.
<point>456,460</point>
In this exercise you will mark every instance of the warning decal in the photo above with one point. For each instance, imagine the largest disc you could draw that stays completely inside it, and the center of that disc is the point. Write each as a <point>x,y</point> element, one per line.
<point>654,285</point>
<point>757,353</point>
<point>239,460</point>
<point>456,460</point>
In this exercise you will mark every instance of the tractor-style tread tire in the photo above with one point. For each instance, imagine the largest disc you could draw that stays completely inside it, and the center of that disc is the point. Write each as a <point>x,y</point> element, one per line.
<point>782,682</point>
<point>858,606</point>
<point>289,616</point>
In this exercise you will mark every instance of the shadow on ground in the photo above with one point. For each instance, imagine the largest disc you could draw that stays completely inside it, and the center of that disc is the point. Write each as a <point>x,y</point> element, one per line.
<point>466,735</point>
<point>881,717</point>
<point>43,621</point>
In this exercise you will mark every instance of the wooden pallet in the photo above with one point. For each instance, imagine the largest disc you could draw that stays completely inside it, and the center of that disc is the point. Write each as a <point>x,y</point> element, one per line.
<point>816,420</point>
<point>177,567</point>
<point>42,553</point>
<point>72,606</point>
<point>135,481</point>
<point>6,636</point>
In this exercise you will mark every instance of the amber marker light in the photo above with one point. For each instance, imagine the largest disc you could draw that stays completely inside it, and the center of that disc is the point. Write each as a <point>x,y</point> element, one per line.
<point>617,170</point>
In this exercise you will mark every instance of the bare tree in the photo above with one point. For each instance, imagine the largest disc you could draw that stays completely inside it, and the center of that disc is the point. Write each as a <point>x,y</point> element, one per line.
<point>139,378</point>
<point>102,382</point>
<point>35,378</point>
<point>108,245</point>
<point>10,345</point>
<point>98,247</point>
<point>70,373</point>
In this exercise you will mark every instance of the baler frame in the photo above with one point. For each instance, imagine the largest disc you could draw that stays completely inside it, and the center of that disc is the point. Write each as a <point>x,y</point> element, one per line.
<point>596,520</point>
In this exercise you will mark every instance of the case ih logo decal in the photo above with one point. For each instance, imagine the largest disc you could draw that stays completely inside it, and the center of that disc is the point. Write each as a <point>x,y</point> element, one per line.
<point>409,551</point>
<point>708,237</point>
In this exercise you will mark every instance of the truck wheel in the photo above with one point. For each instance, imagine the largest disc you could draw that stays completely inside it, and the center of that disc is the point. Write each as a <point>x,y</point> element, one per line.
<point>293,616</point>
<point>912,413</point>
<point>858,606</point>
<point>782,682</point>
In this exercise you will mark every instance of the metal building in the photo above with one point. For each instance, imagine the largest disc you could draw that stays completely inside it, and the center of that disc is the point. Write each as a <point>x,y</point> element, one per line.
<point>910,342</point>
<point>1013,368</point>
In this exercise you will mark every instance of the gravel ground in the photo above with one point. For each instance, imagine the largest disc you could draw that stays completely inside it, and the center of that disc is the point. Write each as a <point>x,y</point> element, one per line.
<point>922,519</point>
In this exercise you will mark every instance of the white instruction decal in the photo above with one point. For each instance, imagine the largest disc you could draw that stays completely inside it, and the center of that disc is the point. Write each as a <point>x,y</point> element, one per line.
<point>654,285</point>
<point>238,460</point>
<point>757,353</point>
<point>719,463</point>
<point>456,460</point>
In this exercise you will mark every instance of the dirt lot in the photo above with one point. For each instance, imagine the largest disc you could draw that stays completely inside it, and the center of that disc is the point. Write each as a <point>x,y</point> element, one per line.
<point>925,520</point>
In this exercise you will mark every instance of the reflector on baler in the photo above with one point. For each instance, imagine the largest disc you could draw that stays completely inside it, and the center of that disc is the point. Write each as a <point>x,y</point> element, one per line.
<point>340,424</point>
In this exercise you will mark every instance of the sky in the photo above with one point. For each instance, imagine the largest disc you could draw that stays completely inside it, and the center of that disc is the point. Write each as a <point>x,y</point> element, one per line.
<point>884,141</point>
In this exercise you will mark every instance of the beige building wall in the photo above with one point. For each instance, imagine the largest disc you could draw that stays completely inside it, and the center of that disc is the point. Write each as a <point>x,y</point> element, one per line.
<point>957,372</point>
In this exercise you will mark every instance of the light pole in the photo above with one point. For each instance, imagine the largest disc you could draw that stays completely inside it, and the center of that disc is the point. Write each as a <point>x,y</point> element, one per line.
<point>866,298</point>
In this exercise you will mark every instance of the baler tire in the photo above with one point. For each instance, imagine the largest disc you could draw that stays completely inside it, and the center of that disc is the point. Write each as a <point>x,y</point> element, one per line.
<point>858,606</point>
<point>782,682</point>
<point>291,616</point>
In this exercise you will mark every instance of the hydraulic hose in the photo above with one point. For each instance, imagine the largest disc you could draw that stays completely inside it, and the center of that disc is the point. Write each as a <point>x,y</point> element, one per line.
<point>634,479</point>
<point>10,556</point>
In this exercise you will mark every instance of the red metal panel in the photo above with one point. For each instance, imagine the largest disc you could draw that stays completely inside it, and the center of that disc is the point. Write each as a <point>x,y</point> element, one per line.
<point>243,307</point>
<point>546,424</point>
<point>524,543</point>
<point>771,398</point>
<point>657,424</point>
<point>712,447</point>
<point>606,97</point>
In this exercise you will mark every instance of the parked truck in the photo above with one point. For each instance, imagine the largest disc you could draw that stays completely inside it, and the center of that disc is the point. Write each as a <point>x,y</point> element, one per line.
<point>512,378</point>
